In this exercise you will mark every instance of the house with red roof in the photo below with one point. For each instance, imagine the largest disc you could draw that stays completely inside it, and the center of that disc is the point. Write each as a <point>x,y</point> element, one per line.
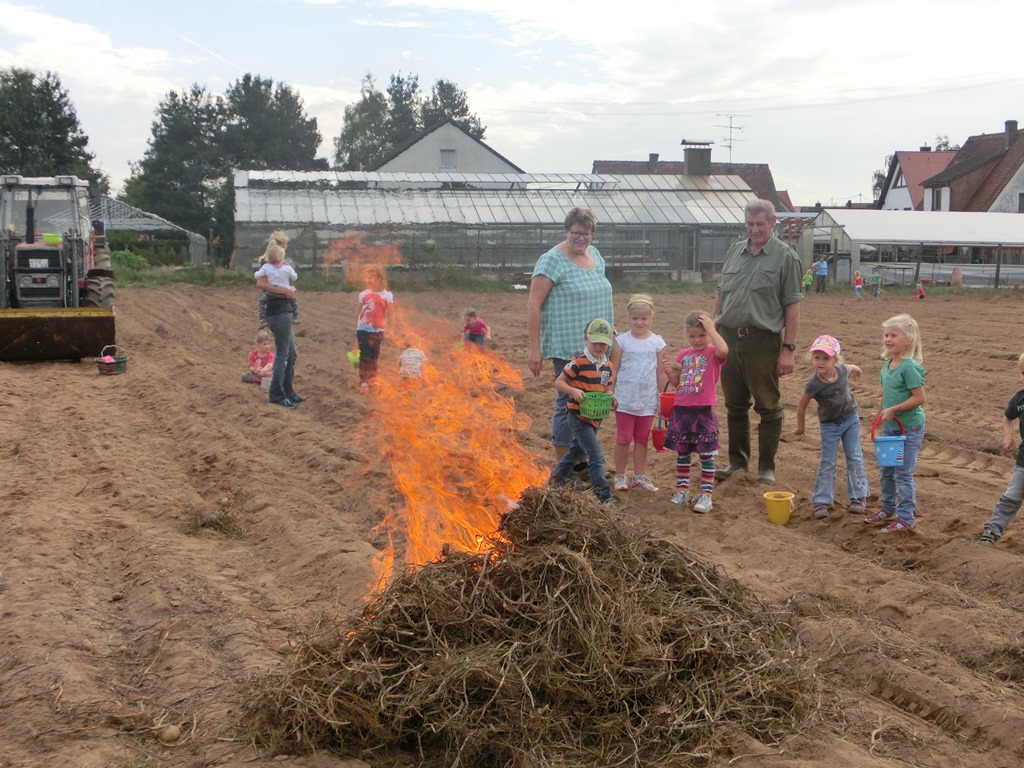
<point>904,184</point>
<point>697,162</point>
<point>985,175</point>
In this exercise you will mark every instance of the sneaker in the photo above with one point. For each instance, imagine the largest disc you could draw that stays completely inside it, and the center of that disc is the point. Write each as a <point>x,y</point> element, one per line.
<point>881,516</point>
<point>609,503</point>
<point>296,398</point>
<point>621,483</point>
<point>988,538</point>
<point>364,388</point>
<point>262,326</point>
<point>820,511</point>
<point>643,482</point>
<point>682,496</point>
<point>898,526</point>
<point>286,403</point>
<point>856,506</point>
<point>702,503</point>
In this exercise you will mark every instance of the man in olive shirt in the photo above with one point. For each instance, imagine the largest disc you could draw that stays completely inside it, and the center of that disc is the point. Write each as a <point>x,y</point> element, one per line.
<point>757,311</point>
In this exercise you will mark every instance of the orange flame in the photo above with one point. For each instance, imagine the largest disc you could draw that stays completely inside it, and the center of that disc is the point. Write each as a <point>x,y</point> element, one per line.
<point>450,438</point>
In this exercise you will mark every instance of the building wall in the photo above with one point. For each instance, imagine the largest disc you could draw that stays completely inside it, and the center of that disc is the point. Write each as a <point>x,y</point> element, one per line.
<point>1008,200</point>
<point>898,199</point>
<point>425,155</point>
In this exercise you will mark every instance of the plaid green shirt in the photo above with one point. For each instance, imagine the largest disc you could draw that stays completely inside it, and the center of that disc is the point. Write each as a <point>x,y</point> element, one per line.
<point>577,297</point>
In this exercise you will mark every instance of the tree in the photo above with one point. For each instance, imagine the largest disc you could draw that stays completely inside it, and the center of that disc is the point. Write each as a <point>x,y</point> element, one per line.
<point>379,122</point>
<point>39,130</point>
<point>180,173</point>
<point>404,108</point>
<point>266,127</point>
<point>363,138</point>
<point>448,102</point>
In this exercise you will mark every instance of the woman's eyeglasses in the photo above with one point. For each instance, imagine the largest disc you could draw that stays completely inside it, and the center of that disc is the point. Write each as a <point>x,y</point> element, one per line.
<point>581,235</point>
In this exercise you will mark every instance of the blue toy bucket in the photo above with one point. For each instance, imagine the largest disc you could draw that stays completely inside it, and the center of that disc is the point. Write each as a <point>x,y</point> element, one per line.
<point>889,448</point>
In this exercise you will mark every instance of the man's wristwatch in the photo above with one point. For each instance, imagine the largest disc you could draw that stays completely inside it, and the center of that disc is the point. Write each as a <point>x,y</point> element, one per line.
<point>790,347</point>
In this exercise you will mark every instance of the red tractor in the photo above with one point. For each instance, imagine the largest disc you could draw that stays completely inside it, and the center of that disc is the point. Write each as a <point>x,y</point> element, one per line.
<point>56,285</point>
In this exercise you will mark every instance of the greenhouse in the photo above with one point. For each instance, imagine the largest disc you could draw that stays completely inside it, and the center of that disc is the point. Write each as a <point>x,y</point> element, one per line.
<point>663,226</point>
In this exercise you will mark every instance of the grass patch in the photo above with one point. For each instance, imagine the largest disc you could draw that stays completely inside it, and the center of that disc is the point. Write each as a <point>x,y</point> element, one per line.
<point>222,522</point>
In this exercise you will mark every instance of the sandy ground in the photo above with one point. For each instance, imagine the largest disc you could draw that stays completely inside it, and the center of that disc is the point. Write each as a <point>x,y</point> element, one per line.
<point>119,618</point>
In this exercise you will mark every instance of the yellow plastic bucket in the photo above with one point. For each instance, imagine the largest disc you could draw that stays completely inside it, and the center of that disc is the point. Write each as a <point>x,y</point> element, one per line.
<point>780,506</point>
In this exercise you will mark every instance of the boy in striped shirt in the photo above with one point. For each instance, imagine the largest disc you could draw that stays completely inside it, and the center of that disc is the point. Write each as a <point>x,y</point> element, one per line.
<point>588,372</point>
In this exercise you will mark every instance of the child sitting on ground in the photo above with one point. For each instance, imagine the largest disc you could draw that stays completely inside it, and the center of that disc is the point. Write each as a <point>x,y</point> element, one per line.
<point>281,274</point>
<point>261,360</point>
<point>474,328</point>
<point>412,360</point>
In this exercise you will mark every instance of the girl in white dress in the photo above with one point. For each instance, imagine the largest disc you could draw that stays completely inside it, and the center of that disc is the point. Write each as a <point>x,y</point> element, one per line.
<point>638,359</point>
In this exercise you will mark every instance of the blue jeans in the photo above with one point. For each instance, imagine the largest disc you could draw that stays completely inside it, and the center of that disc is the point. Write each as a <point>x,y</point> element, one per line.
<point>281,385</point>
<point>899,493</point>
<point>584,442</point>
<point>560,433</point>
<point>846,432</point>
<point>1009,503</point>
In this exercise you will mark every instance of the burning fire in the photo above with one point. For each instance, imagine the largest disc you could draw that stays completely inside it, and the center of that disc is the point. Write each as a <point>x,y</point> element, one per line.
<point>450,438</point>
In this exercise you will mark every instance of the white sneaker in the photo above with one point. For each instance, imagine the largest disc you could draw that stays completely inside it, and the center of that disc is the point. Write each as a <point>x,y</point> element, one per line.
<point>621,483</point>
<point>644,483</point>
<point>702,504</point>
<point>682,496</point>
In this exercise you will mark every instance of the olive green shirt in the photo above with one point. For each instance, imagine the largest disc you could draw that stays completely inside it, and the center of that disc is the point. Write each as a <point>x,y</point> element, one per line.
<point>756,289</point>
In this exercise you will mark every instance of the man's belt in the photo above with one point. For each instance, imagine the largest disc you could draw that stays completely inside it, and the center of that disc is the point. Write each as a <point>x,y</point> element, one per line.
<point>750,330</point>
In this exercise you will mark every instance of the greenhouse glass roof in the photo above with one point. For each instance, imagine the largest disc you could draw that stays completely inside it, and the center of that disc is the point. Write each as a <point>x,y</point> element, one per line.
<point>363,199</point>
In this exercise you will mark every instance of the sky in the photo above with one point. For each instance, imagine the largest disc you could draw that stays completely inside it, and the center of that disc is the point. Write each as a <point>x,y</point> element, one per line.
<point>822,92</point>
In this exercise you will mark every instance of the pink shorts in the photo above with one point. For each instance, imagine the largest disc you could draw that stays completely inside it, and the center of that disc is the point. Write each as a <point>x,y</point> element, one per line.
<point>632,429</point>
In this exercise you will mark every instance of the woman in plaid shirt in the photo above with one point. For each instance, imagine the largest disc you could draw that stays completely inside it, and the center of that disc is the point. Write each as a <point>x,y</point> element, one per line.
<point>568,290</point>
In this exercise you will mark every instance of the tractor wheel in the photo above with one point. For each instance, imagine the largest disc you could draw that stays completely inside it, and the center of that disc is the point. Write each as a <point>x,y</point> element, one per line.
<point>99,281</point>
<point>101,254</point>
<point>99,291</point>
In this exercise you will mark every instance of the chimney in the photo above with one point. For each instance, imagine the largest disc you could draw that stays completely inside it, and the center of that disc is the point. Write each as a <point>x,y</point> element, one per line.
<point>926,149</point>
<point>652,162</point>
<point>1011,133</point>
<point>697,160</point>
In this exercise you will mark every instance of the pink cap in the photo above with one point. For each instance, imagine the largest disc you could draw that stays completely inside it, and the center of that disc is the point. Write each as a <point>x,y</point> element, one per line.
<point>827,344</point>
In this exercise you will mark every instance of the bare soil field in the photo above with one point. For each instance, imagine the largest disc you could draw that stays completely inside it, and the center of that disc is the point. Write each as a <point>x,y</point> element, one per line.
<point>166,535</point>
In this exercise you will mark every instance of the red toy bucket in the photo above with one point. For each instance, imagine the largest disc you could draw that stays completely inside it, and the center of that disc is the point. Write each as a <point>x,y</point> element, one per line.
<point>668,402</point>
<point>658,438</point>
<point>889,448</point>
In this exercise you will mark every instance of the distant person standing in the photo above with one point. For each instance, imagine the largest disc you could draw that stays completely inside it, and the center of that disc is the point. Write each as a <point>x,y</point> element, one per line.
<point>876,282</point>
<point>820,274</point>
<point>858,285</point>
<point>808,280</point>
<point>757,312</point>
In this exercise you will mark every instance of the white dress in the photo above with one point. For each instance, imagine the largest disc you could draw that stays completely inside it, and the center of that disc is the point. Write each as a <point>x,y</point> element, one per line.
<point>636,383</point>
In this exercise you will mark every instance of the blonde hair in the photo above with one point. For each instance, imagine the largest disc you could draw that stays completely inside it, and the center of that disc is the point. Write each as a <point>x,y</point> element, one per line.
<point>470,312</point>
<point>274,254</point>
<point>1020,360</point>
<point>277,237</point>
<point>693,320</point>
<point>376,271</point>
<point>908,327</point>
<point>262,336</point>
<point>640,301</point>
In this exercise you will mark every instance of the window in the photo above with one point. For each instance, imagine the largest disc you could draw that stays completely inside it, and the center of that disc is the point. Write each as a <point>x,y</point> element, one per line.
<point>1020,202</point>
<point>898,180</point>
<point>447,158</point>
<point>937,199</point>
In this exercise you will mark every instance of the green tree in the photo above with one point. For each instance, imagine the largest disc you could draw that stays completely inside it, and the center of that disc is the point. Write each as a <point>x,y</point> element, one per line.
<point>179,175</point>
<point>363,137</point>
<point>39,130</point>
<point>267,127</point>
<point>378,122</point>
<point>448,102</point>
<point>404,108</point>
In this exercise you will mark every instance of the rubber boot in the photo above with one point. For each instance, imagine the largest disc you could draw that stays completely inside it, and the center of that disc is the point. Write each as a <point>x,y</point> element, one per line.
<point>739,447</point>
<point>768,434</point>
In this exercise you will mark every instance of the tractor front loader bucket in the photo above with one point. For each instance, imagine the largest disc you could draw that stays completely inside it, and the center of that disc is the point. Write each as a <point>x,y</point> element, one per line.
<point>55,333</point>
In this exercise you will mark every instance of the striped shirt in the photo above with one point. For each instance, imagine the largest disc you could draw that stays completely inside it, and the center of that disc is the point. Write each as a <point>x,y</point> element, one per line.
<point>577,297</point>
<point>590,377</point>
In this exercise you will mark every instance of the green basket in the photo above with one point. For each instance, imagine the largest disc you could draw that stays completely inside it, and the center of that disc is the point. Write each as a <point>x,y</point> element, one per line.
<point>596,405</point>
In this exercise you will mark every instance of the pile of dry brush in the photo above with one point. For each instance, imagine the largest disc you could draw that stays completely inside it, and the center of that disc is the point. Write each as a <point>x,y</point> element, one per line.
<point>578,639</point>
